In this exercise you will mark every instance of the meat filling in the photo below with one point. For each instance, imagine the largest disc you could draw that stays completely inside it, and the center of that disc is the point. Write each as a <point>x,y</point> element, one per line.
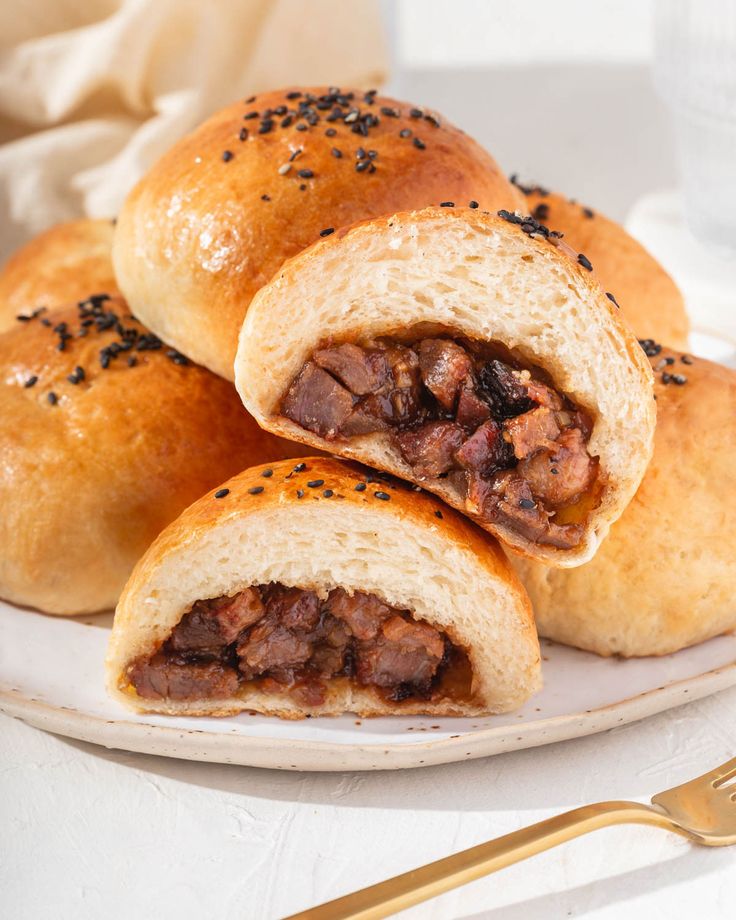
<point>515,447</point>
<point>287,639</point>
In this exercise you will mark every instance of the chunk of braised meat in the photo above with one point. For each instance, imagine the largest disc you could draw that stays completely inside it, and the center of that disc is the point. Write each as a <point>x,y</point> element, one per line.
<point>214,623</point>
<point>444,367</point>
<point>504,389</point>
<point>402,653</point>
<point>561,474</point>
<point>471,409</point>
<point>531,431</point>
<point>317,402</point>
<point>330,655</point>
<point>163,677</point>
<point>485,451</point>
<point>363,613</point>
<point>271,645</point>
<point>364,420</point>
<point>294,608</point>
<point>430,449</point>
<point>510,502</point>
<point>360,370</point>
<point>543,395</point>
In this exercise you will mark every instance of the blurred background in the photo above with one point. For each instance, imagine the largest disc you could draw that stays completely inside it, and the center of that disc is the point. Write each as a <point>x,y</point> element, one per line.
<point>575,95</point>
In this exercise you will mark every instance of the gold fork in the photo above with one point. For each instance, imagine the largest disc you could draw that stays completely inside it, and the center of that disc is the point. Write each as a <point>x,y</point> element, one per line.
<point>703,810</point>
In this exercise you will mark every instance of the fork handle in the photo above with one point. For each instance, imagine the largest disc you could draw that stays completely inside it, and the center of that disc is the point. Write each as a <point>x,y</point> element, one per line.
<point>402,891</point>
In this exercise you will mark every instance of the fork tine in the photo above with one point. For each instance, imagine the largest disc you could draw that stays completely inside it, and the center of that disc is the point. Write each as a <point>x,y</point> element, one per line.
<point>721,774</point>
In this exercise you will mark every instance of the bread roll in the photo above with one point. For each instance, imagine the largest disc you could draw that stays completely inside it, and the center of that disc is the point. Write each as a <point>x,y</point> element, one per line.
<point>64,264</point>
<point>495,372</point>
<point>649,299</point>
<point>218,214</point>
<point>664,579</point>
<point>295,590</point>
<point>105,436</point>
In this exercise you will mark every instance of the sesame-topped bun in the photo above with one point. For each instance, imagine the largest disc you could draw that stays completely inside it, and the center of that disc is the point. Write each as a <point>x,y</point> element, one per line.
<point>260,180</point>
<point>470,353</point>
<point>664,579</point>
<point>649,299</point>
<point>317,589</point>
<point>64,264</point>
<point>105,436</point>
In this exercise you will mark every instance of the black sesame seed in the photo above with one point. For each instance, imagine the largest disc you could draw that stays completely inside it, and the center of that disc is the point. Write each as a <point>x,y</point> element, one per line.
<point>265,197</point>
<point>588,213</point>
<point>315,483</point>
<point>132,361</point>
<point>438,514</point>
<point>666,378</point>
<point>360,153</point>
<point>301,126</point>
<point>250,115</point>
<point>415,113</point>
<point>327,231</point>
<point>52,398</point>
<point>362,165</point>
<point>300,467</point>
<point>330,132</point>
<point>305,174</point>
<point>405,132</point>
<point>585,262</point>
<point>302,187</point>
<point>419,144</point>
<point>250,99</point>
<point>286,121</point>
<point>679,379</point>
<point>541,212</point>
<point>473,204</point>
<point>294,94</point>
<point>265,126</point>
<point>686,359</point>
<point>651,348</point>
<point>613,300</point>
<point>267,474</point>
<point>32,381</point>
<point>300,493</point>
<point>383,496</point>
<point>669,360</point>
<point>447,204</point>
<point>389,112</point>
<point>255,490</point>
<point>526,503</point>
<point>227,155</point>
<point>360,487</point>
<point>336,153</point>
<point>243,134</point>
<point>221,493</point>
<point>328,493</point>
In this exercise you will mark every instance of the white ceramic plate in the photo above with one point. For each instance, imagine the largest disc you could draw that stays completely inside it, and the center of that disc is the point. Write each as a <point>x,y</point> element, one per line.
<point>51,675</point>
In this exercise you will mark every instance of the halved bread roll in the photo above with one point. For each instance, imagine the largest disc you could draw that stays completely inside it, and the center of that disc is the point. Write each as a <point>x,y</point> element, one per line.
<point>649,299</point>
<point>664,579</point>
<point>317,589</point>
<point>465,352</point>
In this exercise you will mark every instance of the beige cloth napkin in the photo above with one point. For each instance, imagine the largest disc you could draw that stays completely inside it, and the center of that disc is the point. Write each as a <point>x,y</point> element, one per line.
<point>93,91</point>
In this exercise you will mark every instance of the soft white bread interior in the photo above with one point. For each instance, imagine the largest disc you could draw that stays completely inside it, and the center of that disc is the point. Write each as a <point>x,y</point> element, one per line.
<point>471,274</point>
<point>410,550</point>
<point>664,579</point>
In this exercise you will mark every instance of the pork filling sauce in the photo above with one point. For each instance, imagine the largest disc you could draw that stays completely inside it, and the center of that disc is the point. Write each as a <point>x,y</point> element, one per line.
<point>512,445</point>
<point>287,639</point>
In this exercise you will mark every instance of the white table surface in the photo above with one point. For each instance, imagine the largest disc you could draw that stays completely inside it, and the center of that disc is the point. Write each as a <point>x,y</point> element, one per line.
<point>88,833</point>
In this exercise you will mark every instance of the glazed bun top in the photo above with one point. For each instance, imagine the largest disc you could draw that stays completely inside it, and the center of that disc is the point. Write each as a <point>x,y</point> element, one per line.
<point>106,435</point>
<point>64,264</point>
<point>649,299</point>
<point>218,214</point>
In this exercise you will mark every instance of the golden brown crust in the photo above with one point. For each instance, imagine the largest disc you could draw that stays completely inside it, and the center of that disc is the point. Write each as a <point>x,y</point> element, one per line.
<point>649,299</point>
<point>90,480</point>
<point>354,541</point>
<point>664,578</point>
<point>64,264</point>
<point>198,228</point>
<point>589,353</point>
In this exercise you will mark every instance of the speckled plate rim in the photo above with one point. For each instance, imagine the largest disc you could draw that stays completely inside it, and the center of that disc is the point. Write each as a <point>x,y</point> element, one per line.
<point>308,755</point>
